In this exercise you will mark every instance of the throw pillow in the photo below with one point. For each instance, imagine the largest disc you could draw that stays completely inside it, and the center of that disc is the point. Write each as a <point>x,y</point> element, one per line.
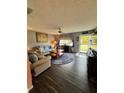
<point>33,57</point>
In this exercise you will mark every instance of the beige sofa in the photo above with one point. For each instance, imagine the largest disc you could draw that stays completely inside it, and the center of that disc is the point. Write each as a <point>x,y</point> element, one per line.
<point>43,63</point>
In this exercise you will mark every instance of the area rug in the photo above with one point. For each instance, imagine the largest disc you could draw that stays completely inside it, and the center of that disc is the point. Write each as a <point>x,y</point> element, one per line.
<point>64,59</point>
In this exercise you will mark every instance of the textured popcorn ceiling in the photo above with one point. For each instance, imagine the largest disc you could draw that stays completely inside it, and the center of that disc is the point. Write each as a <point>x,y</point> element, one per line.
<point>71,15</point>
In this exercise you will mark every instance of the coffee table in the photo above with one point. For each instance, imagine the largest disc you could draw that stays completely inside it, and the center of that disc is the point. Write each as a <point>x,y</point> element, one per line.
<point>57,53</point>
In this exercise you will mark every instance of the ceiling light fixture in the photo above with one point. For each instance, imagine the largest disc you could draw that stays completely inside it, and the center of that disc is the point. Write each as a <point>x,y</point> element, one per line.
<point>60,31</point>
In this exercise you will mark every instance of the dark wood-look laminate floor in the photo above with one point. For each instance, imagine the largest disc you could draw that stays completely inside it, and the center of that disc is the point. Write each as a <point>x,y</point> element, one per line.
<point>67,78</point>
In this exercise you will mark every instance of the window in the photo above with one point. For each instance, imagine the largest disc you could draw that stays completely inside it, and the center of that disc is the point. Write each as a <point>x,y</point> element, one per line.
<point>66,42</point>
<point>85,40</point>
<point>94,42</point>
<point>84,43</point>
<point>94,39</point>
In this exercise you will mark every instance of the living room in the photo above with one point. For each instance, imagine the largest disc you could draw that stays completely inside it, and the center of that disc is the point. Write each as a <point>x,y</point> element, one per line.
<point>62,46</point>
<point>53,19</point>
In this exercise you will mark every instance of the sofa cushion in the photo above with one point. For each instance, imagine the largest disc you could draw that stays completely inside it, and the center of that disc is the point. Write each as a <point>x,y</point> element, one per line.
<point>33,57</point>
<point>41,56</point>
<point>40,62</point>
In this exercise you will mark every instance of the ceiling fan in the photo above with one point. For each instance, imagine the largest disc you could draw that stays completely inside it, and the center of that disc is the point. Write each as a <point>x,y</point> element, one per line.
<point>60,31</point>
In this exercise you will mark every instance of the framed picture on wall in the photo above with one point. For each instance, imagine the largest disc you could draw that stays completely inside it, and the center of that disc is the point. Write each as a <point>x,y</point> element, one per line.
<point>41,37</point>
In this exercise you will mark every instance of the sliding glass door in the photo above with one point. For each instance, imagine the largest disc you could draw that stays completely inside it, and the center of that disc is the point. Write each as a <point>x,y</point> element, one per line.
<point>86,42</point>
<point>93,44</point>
